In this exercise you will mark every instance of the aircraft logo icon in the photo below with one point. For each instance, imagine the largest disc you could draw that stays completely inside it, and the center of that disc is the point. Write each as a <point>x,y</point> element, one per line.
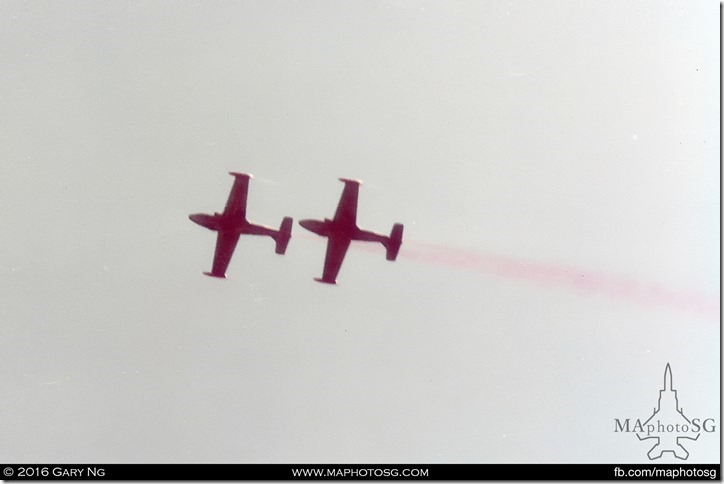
<point>667,426</point>
<point>670,424</point>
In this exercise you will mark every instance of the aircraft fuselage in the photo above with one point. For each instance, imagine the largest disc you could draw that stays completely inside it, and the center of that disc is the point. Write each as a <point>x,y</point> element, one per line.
<point>218,222</point>
<point>333,228</point>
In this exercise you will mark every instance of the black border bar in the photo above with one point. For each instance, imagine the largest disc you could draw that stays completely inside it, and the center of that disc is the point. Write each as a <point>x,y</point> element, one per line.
<point>290,472</point>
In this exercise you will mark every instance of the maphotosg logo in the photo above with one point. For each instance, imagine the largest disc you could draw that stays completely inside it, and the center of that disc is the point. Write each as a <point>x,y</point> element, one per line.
<point>668,427</point>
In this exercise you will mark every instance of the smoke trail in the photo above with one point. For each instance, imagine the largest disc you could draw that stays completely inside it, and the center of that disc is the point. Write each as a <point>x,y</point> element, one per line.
<point>551,274</point>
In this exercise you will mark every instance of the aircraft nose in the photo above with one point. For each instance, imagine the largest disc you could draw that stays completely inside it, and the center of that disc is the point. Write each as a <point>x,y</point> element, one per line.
<point>204,220</point>
<point>313,226</point>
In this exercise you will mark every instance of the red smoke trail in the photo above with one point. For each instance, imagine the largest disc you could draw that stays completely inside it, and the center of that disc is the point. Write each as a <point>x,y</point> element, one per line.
<point>551,274</point>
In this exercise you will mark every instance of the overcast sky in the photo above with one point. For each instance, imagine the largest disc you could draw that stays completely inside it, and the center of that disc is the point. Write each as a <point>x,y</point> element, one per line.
<point>524,145</point>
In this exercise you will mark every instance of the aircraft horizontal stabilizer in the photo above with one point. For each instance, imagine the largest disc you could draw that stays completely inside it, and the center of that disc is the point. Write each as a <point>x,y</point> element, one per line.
<point>395,241</point>
<point>285,233</point>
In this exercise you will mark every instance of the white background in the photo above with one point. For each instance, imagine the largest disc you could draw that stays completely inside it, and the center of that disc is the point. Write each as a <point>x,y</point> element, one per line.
<point>517,141</point>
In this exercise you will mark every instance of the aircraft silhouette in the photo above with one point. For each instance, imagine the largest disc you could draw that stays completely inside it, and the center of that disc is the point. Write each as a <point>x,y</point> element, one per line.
<point>232,223</point>
<point>668,415</point>
<point>342,230</point>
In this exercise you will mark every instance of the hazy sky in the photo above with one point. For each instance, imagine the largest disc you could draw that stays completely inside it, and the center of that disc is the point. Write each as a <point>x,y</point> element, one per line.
<point>524,144</point>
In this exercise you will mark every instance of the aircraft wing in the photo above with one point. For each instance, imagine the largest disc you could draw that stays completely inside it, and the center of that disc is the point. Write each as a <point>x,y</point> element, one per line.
<point>336,250</point>
<point>236,204</point>
<point>225,245</point>
<point>347,207</point>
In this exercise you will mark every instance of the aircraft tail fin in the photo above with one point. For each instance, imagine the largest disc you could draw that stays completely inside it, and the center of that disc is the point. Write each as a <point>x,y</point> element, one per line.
<point>394,242</point>
<point>285,233</point>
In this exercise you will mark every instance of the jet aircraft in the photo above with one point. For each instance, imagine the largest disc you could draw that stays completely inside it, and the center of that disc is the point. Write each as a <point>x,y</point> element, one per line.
<point>232,223</point>
<point>343,229</point>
